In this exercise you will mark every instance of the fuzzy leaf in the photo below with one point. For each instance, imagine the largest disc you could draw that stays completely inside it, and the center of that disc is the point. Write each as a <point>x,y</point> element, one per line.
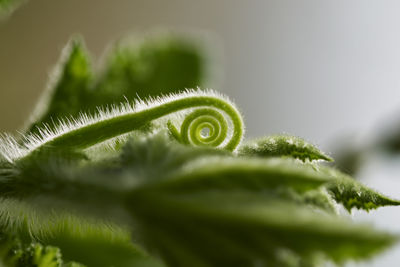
<point>160,163</point>
<point>282,145</point>
<point>164,164</point>
<point>228,173</point>
<point>352,194</point>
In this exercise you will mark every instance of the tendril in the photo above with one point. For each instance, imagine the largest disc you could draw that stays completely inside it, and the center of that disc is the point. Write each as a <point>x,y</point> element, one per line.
<point>210,111</point>
<point>196,122</point>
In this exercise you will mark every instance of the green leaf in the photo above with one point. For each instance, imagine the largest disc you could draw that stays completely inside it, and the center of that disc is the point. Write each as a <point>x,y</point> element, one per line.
<point>160,163</point>
<point>352,194</point>
<point>228,173</point>
<point>68,90</point>
<point>156,168</point>
<point>282,145</point>
<point>207,229</point>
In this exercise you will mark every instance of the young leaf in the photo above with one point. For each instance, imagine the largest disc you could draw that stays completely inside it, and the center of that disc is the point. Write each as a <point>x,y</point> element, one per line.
<point>352,194</point>
<point>282,145</point>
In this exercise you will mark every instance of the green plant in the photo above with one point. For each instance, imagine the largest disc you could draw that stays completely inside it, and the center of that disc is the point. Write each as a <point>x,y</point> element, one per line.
<point>120,185</point>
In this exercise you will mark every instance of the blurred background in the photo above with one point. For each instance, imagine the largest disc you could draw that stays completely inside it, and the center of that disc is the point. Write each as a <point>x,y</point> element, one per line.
<point>327,71</point>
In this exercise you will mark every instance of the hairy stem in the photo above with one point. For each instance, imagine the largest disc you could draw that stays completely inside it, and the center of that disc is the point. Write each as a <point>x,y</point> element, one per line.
<point>209,113</point>
<point>98,132</point>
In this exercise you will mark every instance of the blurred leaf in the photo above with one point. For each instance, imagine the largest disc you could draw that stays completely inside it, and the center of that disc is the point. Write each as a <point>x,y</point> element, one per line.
<point>225,173</point>
<point>68,91</point>
<point>207,229</point>
<point>200,206</point>
<point>282,145</point>
<point>162,163</point>
<point>142,153</point>
<point>319,198</point>
<point>94,244</point>
<point>149,68</point>
<point>182,169</point>
<point>350,153</point>
<point>144,68</point>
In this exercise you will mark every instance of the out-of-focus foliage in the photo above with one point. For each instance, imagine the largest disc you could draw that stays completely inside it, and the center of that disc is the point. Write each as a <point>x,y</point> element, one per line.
<point>147,67</point>
<point>352,154</point>
<point>206,229</point>
<point>147,198</point>
<point>78,239</point>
